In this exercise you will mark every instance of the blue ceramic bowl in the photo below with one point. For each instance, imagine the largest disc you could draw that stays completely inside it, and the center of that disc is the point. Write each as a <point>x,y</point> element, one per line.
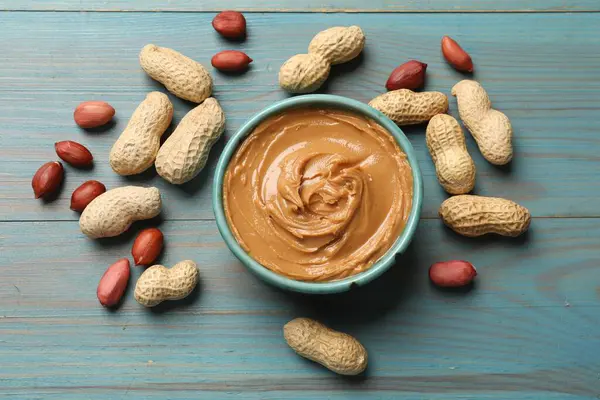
<point>341,285</point>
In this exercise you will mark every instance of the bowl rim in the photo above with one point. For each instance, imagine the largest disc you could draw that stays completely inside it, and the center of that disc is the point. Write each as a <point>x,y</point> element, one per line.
<point>362,278</point>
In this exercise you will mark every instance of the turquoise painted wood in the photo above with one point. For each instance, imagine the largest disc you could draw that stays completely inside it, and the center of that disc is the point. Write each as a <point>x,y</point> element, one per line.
<point>549,85</point>
<point>308,5</point>
<point>528,329</point>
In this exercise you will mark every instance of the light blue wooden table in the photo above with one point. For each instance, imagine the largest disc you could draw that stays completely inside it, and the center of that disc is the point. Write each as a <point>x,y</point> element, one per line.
<point>530,329</point>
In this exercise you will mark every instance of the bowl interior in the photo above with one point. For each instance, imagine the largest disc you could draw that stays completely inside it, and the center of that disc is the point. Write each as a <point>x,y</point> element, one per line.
<point>331,101</point>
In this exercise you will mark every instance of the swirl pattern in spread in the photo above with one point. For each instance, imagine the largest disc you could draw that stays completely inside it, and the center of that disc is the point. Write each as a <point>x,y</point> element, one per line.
<point>317,195</point>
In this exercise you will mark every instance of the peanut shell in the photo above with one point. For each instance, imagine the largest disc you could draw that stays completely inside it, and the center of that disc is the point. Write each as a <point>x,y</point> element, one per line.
<point>339,44</point>
<point>337,351</point>
<point>136,148</point>
<point>184,153</point>
<point>490,128</point>
<point>113,212</point>
<point>182,76</point>
<point>454,166</point>
<point>159,283</point>
<point>405,107</point>
<point>472,216</point>
<point>304,73</point>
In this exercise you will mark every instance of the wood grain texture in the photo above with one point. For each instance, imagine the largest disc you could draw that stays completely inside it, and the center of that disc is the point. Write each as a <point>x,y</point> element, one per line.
<point>528,329</point>
<point>548,85</point>
<point>308,5</point>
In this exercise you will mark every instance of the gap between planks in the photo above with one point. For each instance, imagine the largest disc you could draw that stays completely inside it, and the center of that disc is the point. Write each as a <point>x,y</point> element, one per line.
<point>309,11</point>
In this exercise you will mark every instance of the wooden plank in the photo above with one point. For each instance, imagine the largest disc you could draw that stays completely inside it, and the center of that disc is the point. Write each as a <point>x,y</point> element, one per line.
<point>308,5</point>
<point>548,85</point>
<point>528,329</point>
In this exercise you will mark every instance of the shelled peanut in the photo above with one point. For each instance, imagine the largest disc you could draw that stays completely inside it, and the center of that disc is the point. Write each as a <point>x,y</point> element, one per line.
<point>147,246</point>
<point>93,114</point>
<point>85,193</point>
<point>230,24</point>
<point>410,75</point>
<point>113,283</point>
<point>74,153</point>
<point>456,56</point>
<point>452,274</point>
<point>47,179</point>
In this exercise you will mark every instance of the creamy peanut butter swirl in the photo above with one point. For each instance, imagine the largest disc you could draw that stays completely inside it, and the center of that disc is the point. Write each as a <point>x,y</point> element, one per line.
<point>317,195</point>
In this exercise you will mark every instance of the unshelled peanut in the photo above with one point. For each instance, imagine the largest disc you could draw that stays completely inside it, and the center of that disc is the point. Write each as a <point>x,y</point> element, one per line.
<point>490,128</point>
<point>472,216</point>
<point>159,283</point>
<point>338,44</point>
<point>182,76</point>
<point>405,107</point>
<point>113,212</point>
<point>136,148</point>
<point>454,166</point>
<point>305,73</point>
<point>184,153</point>
<point>337,351</point>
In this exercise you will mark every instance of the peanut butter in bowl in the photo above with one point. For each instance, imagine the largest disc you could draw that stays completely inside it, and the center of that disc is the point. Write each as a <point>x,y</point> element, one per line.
<point>317,194</point>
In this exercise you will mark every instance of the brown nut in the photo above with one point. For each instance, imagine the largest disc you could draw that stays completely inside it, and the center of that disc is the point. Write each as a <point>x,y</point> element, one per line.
<point>147,246</point>
<point>84,194</point>
<point>456,56</point>
<point>231,61</point>
<point>230,24</point>
<point>74,153</point>
<point>92,114</point>
<point>113,283</point>
<point>47,179</point>
<point>455,273</point>
<point>410,75</point>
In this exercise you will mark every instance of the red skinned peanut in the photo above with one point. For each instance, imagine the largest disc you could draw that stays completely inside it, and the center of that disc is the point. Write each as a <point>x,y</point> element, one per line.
<point>455,273</point>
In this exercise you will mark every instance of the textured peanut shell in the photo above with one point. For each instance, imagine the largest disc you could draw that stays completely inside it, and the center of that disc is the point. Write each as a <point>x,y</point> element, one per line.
<point>405,107</point>
<point>490,128</point>
<point>454,166</point>
<point>184,153</point>
<point>182,76</point>
<point>113,212</point>
<point>304,73</point>
<point>472,216</point>
<point>159,283</point>
<point>136,148</point>
<point>337,351</point>
<point>339,44</point>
